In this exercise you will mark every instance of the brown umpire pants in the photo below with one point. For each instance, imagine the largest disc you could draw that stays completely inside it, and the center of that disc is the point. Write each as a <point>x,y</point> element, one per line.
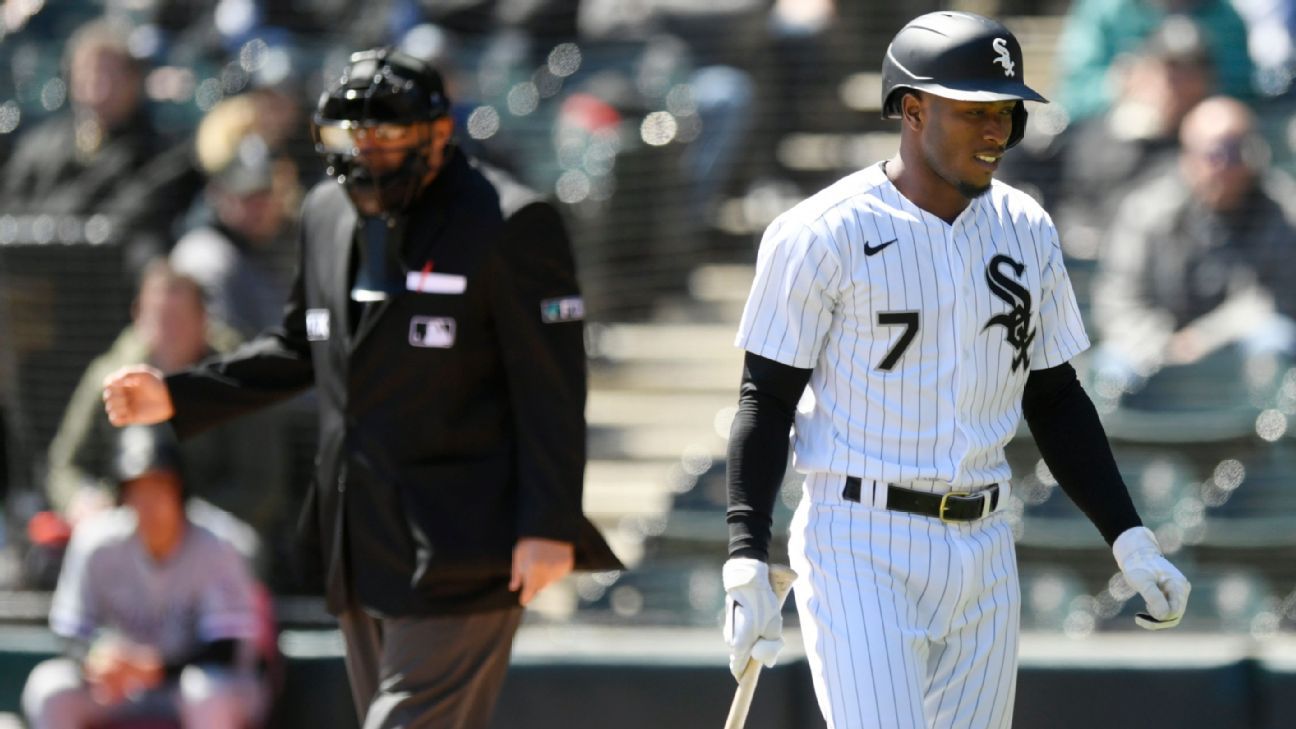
<point>442,672</point>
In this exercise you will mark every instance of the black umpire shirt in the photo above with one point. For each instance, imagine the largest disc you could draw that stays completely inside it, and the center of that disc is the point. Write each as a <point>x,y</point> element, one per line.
<point>451,415</point>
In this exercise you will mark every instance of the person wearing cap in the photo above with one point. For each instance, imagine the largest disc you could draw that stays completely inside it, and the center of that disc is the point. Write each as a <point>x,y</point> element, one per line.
<point>1197,260</point>
<point>926,307</point>
<point>436,312</point>
<point>159,617</point>
<point>1102,158</point>
<point>237,473</point>
<point>239,257</point>
<point>101,154</point>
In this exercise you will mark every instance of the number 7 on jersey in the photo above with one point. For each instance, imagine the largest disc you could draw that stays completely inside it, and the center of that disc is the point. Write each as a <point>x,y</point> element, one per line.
<point>907,319</point>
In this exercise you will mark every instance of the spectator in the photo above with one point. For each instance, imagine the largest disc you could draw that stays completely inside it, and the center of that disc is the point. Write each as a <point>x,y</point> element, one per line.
<point>1192,256</point>
<point>1097,32</point>
<point>235,469</point>
<point>270,111</point>
<point>1088,169</point>
<point>159,616</point>
<point>103,155</point>
<point>239,258</point>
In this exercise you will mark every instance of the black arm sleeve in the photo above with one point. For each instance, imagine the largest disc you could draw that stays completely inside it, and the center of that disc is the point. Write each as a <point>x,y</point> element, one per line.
<point>1074,446</point>
<point>758,446</point>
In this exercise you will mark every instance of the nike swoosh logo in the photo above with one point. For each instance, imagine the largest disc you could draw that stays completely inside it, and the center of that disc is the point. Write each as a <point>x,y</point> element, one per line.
<point>871,250</point>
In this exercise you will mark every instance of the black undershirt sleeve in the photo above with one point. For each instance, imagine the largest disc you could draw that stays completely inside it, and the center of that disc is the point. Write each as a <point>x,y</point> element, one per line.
<point>222,652</point>
<point>1074,445</point>
<point>758,448</point>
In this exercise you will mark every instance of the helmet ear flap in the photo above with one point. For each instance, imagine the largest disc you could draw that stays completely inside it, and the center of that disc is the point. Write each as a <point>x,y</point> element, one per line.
<point>891,106</point>
<point>1018,125</point>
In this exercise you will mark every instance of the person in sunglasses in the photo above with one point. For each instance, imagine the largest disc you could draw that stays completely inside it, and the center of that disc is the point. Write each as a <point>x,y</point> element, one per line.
<point>1193,258</point>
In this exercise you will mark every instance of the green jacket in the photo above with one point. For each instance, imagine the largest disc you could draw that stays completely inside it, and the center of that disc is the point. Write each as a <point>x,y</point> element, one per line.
<point>236,467</point>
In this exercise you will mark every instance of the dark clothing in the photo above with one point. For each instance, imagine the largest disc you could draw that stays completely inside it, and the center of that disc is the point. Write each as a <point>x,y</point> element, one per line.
<point>1074,445</point>
<point>1171,262</point>
<point>758,450</point>
<point>451,424</point>
<point>393,684</point>
<point>140,183</point>
<point>245,283</point>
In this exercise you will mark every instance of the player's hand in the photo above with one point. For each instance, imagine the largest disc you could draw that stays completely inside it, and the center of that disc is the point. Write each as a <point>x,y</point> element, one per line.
<point>753,621</point>
<point>137,395</point>
<point>1164,588</point>
<point>118,669</point>
<point>538,563</point>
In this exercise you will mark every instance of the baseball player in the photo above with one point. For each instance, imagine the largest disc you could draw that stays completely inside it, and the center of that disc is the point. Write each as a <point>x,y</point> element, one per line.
<point>927,308</point>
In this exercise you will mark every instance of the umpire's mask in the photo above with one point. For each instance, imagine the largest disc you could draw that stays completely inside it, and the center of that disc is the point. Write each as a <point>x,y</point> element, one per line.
<point>382,129</point>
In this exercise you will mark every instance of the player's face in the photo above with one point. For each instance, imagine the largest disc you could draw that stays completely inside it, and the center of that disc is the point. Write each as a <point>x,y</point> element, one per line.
<point>155,499</point>
<point>963,141</point>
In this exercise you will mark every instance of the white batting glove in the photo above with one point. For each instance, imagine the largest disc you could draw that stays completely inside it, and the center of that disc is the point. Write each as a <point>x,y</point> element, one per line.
<point>1164,588</point>
<point>753,621</point>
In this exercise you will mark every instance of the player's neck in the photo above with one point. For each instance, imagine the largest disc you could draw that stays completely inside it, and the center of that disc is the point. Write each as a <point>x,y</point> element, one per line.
<point>924,188</point>
<point>161,543</point>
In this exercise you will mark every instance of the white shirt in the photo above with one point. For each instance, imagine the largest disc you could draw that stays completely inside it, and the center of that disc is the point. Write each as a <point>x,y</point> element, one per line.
<point>905,320</point>
<point>202,593</point>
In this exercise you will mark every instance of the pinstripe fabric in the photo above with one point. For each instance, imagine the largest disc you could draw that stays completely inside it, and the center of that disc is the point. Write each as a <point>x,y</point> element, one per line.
<point>920,336</point>
<point>908,623</point>
<point>953,399</point>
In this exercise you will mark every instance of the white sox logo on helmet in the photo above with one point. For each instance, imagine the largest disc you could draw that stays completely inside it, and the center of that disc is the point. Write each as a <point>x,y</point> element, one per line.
<point>1005,59</point>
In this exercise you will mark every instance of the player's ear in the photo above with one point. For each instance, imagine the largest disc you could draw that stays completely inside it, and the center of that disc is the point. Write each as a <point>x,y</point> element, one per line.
<point>911,109</point>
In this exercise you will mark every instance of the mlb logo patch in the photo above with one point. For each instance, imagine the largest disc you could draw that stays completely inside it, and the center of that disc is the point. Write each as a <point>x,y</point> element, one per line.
<point>432,331</point>
<point>566,308</point>
<point>317,325</point>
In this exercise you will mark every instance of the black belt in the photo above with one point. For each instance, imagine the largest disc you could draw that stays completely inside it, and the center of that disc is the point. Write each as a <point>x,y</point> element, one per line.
<point>954,506</point>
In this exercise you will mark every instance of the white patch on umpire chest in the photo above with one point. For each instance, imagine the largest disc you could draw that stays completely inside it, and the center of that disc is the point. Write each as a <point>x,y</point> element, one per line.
<point>566,308</point>
<point>317,325</point>
<point>432,331</point>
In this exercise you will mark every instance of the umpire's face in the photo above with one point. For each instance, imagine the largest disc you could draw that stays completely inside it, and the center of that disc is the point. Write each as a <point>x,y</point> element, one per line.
<point>961,141</point>
<point>383,150</point>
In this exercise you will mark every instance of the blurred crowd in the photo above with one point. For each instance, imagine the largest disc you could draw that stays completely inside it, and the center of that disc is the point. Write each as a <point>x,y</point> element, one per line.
<point>153,154</point>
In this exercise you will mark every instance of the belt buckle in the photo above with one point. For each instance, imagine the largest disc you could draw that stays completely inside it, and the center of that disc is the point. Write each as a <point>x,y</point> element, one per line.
<point>944,506</point>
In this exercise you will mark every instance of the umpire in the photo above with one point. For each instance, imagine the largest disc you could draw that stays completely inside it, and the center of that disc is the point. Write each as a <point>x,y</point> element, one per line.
<point>437,313</point>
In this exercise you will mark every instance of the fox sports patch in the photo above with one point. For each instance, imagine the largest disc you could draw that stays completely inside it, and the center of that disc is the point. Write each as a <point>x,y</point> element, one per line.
<point>566,308</point>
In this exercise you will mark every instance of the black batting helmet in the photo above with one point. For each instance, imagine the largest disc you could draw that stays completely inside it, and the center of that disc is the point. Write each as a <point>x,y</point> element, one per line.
<point>961,56</point>
<point>144,449</point>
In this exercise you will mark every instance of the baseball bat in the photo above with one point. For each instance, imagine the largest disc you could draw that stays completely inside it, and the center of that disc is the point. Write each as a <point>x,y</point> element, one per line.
<point>781,578</point>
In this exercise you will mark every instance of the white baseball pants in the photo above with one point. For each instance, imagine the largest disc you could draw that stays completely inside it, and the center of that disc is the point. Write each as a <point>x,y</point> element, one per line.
<point>909,623</point>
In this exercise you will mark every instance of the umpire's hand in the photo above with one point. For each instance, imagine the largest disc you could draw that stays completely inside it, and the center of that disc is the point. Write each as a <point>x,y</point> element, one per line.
<point>1162,586</point>
<point>137,395</point>
<point>538,563</point>
<point>753,621</point>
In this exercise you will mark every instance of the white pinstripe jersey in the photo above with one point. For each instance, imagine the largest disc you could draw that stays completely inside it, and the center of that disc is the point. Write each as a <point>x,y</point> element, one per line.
<point>920,333</point>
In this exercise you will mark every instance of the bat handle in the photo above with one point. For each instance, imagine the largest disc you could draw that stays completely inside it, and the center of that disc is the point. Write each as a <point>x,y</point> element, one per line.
<point>781,579</point>
<point>743,695</point>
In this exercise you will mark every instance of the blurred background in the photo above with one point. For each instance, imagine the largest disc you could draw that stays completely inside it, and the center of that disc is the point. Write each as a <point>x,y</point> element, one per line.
<point>145,144</point>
